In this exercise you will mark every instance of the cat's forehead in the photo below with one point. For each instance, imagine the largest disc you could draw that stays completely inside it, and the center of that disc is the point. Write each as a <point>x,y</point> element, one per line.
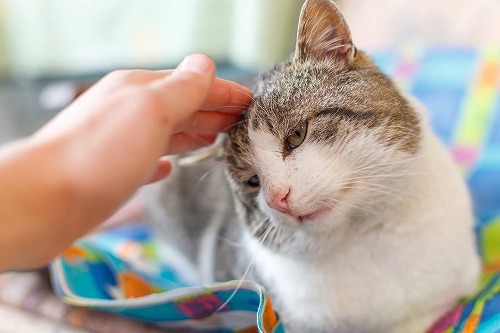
<point>299,85</point>
<point>295,92</point>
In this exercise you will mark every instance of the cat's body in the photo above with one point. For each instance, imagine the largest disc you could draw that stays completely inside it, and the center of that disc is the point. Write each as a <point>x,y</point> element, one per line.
<point>352,213</point>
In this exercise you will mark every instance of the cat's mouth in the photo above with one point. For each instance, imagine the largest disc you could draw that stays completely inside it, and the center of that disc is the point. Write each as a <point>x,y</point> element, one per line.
<point>313,215</point>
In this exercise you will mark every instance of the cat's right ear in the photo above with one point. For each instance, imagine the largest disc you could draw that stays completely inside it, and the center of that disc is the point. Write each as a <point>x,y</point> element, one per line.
<point>323,33</point>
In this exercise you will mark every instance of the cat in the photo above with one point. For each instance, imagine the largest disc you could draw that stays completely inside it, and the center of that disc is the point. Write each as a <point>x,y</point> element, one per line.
<point>346,206</point>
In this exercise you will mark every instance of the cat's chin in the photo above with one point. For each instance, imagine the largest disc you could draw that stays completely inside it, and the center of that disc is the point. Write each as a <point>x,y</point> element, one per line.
<point>317,221</point>
<point>313,216</point>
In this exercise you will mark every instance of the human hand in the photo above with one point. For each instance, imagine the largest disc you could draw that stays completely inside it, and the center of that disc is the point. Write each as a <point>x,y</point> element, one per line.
<point>85,163</point>
<point>187,106</point>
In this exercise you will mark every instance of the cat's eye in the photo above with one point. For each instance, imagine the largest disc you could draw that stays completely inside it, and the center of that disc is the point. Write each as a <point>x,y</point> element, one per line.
<point>297,137</point>
<point>254,181</point>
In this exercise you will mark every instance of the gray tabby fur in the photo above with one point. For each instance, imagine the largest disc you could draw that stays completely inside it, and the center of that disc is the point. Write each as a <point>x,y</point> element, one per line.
<point>194,201</point>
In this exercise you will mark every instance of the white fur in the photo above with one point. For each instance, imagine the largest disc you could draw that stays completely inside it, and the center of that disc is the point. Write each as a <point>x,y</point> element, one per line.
<point>377,262</point>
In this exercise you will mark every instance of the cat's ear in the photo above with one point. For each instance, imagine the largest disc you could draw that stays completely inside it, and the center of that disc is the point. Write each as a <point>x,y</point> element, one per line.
<point>323,33</point>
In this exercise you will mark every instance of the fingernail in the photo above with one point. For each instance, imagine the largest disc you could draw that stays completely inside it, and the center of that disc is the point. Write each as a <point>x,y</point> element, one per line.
<point>196,63</point>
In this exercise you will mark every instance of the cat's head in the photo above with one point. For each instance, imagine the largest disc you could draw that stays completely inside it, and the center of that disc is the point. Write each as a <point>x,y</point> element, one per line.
<point>328,136</point>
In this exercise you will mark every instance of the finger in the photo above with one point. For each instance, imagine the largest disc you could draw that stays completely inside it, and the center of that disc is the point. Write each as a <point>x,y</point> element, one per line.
<point>162,170</point>
<point>227,96</point>
<point>183,142</point>
<point>208,122</point>
<point>135,76</point>
<point>223,93</point>
<point>187,88</point>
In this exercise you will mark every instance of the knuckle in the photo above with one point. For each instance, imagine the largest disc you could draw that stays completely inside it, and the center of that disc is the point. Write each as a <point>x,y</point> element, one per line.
<point>153,103</point>
<point>125,75</point>
<point>116,75</point>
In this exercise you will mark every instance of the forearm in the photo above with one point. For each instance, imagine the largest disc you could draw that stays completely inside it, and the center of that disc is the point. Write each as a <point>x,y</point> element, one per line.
<point>35,204</point>
<point>54,190</point>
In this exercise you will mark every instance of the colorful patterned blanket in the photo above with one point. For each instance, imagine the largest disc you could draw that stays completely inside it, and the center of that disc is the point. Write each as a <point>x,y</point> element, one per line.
<point>119,270</point>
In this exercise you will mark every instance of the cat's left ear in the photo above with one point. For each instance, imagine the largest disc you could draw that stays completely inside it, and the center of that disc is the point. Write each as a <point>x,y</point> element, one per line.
<point>323,33</point>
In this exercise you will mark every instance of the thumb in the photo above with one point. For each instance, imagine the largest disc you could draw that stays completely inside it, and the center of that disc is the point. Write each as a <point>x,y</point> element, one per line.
<point>163,169</point>
<point>188,87</point>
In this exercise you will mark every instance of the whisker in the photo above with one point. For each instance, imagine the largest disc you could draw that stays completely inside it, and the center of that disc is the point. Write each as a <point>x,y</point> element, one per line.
<point>233,125</point>
<point>198,183</point>
<point>253,99</point>
<point>391,163</point>
<point>382,177</point>
<point>348,205</point>
<point>245,274</point>
<point>376,184</point>
<point>266,233</point>
<point>238,286</point>
<point>244,93</point>
<point>196,137</point>
<point>233,106</point>
<point>372,189</point>
<point>232,242</point>
<point>256,103</point>
<point>259,225</point>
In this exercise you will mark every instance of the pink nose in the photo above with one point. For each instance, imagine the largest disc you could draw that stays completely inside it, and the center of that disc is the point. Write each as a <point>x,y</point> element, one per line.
<point>278,200</point>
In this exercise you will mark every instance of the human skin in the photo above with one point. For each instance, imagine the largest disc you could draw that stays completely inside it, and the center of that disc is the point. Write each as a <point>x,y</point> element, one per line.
<point>79,168</point>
